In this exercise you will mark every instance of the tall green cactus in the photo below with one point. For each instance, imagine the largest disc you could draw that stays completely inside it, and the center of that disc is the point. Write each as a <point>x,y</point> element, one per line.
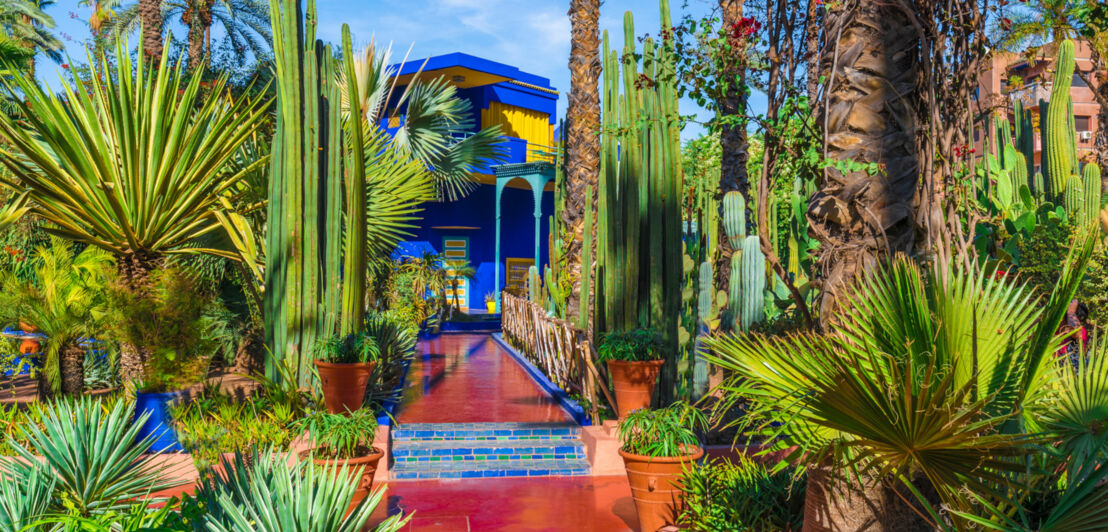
<point>1040,187</point>
<point>534,284</point>
<point>735,287</point>
<point>1025,141</point>
<point>734,217</point>
<point>704,299</point>
<point>586,263</point>
<point>751,308</point>
<point>1057,149</point>
<point>1090,181</point>
<point>1074,199</point>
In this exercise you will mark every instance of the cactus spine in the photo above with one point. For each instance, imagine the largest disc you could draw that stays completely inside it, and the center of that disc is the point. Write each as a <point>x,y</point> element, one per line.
<point>1056,133</point>
<point>753,276</point>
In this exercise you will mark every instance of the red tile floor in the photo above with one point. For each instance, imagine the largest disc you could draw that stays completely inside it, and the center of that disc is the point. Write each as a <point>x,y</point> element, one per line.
<point>470,378</point>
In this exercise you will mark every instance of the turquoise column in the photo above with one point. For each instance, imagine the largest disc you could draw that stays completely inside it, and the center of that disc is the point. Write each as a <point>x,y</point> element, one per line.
<point>496,269</point>
<point>537,184</point>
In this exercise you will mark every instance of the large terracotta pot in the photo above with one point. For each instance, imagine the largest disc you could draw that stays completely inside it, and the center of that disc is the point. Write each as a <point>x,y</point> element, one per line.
<point>656,486</point>
<point>344,384</point>
<point>29,345</point>
<point>633,383</point>
<point>364,481</point>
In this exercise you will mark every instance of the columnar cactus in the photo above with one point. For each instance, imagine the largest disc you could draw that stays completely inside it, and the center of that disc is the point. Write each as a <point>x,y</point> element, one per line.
<point>704,298</point>
<point>1090,181</point>
<point>1040,187</point>
<point>1056,133</point>
<point>1074,199</point>
<point>734,217</point>
<point>735,286</point>
<point>753,275</point>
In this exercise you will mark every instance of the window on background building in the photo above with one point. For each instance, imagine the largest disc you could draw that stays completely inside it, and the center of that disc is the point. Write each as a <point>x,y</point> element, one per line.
<point>976,135</point>
<point>1081,123</point>
<point>1077,81</point>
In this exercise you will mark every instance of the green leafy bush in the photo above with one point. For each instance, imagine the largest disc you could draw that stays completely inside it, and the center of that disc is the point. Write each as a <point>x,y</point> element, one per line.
<point>217,424</point>
<point>665,432</point>
<point>637,345</point>
<point>341,436</point>
<point>742,495</point>
<point>350,349</point>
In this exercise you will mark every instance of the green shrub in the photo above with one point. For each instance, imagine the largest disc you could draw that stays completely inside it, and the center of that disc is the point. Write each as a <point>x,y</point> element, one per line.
<point>742,495</point>
<point>633,346</point>
<point>341,436</point>
<point>665,432</point>
<point>217,424</point>
<point>350,349</point>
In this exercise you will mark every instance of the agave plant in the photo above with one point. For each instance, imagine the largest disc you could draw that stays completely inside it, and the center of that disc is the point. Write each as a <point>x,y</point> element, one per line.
<point>133,161</point>
<point>264,492</point>
<point>91,453</point>
<point>935,381</point>
<point>25,498</point>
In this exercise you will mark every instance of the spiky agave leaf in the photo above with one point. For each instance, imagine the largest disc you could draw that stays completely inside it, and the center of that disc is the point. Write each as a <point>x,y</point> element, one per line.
<point>93,451</point>
<point>264,492</point>
<point>25,497</point>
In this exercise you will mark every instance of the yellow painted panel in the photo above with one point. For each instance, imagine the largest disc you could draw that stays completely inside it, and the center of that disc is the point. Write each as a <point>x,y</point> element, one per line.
<point>455,243</point>
<point>526,124</point>
<point>455,253</point>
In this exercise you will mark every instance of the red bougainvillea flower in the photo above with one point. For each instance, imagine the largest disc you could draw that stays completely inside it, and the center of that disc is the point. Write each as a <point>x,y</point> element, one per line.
<point>745,27</point>
<point>65,66</point>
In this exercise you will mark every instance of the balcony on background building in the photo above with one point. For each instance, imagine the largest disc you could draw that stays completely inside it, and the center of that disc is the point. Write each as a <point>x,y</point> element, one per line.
<point>1031,93</point>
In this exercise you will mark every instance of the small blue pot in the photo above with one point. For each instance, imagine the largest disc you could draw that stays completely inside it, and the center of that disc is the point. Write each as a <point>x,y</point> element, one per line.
<point>159,426</point>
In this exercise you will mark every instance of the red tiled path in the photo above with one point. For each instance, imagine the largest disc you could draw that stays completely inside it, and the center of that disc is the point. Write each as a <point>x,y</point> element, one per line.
<point>467,378</point>
<point>600,504</point>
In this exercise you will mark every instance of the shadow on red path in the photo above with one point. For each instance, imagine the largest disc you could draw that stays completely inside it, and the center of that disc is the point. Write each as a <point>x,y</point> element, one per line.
<point>600,504</point>
<point>467,378</point>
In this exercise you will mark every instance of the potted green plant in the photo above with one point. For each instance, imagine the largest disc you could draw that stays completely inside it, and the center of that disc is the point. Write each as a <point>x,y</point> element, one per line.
<point>657,447</point>
<point>634,359</point>
<point>344,365</point>
<point>345,439</point>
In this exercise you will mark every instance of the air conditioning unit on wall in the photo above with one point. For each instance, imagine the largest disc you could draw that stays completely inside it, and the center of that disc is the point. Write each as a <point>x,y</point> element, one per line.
<point>1086,135</point>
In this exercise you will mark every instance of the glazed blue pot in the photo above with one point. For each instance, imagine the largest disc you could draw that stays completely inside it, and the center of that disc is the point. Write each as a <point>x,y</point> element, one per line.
<point>159,426</point>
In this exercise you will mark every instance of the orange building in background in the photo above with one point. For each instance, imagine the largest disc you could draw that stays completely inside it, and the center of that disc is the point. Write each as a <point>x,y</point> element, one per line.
<point>1012,77</point>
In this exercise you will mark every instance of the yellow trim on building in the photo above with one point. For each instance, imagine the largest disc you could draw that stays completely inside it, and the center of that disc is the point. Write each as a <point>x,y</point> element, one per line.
<point>531,126</point>
<point>530,86</point>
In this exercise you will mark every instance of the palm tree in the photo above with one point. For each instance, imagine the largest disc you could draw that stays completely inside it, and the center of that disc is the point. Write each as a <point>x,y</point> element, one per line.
<point>934,389</point>
<point>582,138</point>
<point>245,22</point>
<point>149,12</point>
<point>133,161</point>
<point>66,303</point>
<point>26,23</point>
<point>865,206</point>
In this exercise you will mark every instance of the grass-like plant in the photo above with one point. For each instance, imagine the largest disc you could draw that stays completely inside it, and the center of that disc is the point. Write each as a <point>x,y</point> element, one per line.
<point>91,450</point>
<point>663,433</point>
<point>396,341</point>
<point>349,349</point>
<point>267,493</point>
<point>341,436</point>
<point>217,424</point>
<point>740,495</point>
<point>638,345</point>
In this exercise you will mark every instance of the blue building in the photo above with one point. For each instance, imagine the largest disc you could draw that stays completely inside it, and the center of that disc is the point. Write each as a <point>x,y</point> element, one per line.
<point>503,226</point>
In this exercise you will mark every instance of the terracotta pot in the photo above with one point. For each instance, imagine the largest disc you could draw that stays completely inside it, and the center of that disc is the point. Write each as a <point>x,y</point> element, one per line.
<point>344,384</point>
<point>364,481</point>
<point>27,327</point>
<point>656,487</point>
<point>633,383</point>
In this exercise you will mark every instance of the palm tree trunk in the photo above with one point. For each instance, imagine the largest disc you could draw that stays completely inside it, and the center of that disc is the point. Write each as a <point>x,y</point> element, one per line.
<point>72,369</point>
<point>864,212</point>
<point>195,37</point>
<point>831,506</point>
<point>732,140</point>
<point>151,14</point>
<point>135,272</point>
<point>583,140</point>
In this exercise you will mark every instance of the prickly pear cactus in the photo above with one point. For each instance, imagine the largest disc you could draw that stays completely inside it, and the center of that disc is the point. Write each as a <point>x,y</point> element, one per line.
<point>753,275</point>
<point>734,217</point>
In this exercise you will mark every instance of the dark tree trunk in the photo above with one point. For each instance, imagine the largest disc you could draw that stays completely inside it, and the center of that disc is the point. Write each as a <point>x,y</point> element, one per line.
<point>831,506</point>
<point>863,214</point>
<point>583,138</point>
<point>151,14</point>
<point>135,272</point>
<point>72,363</point>
<point>733,142</point>
<point>195,37</point>
<point>811,49</point>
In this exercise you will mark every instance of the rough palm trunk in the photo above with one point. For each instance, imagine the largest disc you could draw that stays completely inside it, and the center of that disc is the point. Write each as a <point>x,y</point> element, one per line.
<point>135,271</point>
<point>151,14</point>
<point>831,506</point>
<point>72,359</point>
<point>583,140</point>
<point>811,49</point>
<point>195,25</point>
<point>863,212</point>
<point>732,140</point>
<point>1099,66</point>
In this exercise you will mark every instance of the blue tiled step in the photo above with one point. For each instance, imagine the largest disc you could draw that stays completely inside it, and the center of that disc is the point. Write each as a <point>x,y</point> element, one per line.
<point>488,469</point>
<point>495,450</point>
<point>485,431</point>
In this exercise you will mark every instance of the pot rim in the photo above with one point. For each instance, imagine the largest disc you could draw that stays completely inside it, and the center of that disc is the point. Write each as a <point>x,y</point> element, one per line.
<point>340,365</point>
<point>376,455</point>
<point>658,362</point>
<point>664,459</point>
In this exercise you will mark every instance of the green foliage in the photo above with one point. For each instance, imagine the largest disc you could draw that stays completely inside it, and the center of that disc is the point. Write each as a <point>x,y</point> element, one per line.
<point>88,451</point>
<point>168,315</point>
<point>633,346</point>
<point>1042,253</point>
<point>666,432</point>
<point>347,349</point>
<point>341,436</point>
<point>216,424</point>
<point>726,496</point>
<point>264,493</point>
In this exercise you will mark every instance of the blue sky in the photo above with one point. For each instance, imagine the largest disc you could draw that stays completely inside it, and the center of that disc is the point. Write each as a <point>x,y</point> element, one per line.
<point>530,34</point>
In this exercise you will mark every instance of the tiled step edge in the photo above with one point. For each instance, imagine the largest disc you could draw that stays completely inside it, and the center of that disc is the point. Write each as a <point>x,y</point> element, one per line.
<point>405,434</point>
<point>469,469</point>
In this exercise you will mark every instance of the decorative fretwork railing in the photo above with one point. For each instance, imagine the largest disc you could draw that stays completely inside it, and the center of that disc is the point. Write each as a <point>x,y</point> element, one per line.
<point>560,350</point>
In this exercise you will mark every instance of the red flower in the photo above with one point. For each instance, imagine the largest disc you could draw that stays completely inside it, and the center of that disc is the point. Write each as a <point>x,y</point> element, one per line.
<point>1006,23</point>
<point>745,27</point>
<point>65,66</point>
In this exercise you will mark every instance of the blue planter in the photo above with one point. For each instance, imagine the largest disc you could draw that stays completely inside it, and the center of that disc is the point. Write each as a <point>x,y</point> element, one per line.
<point>159,426</point>
<point>390,406</point>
